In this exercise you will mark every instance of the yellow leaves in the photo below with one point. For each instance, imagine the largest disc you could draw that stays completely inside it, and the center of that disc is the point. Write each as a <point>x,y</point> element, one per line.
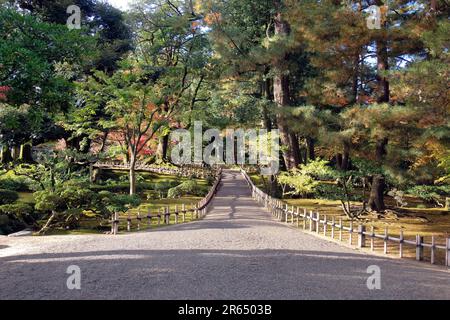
<point>213,18</point>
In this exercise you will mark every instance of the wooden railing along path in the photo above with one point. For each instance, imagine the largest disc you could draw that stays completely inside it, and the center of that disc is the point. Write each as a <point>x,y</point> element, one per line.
<point>318,224</point>
<point>185,171</point>
<point>163,217</point>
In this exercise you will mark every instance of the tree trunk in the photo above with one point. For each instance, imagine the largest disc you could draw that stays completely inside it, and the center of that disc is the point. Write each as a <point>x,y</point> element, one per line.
<point>339,161</point>
<point>133,174</point>
<point>310,146</point>
<point>48,223</point>
<point>433,5</point>
<point>291,152</point>
<point>381,151</point>
<point>269,97</point>
<point>163,147</point>
<point>382,65</point>
<point>6,155</point>
<point>376,200</point>
<point>15,152</point>
<point>343,159</point>
<point>26,153</point>
<point>346,157</point>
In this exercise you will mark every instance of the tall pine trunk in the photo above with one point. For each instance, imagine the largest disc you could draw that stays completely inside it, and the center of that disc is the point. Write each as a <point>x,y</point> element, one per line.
<point>376,200</point>
<point>282,98</point>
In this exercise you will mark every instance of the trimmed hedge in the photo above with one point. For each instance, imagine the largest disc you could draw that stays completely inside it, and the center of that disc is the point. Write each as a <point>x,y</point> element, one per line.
<point>8,196</point>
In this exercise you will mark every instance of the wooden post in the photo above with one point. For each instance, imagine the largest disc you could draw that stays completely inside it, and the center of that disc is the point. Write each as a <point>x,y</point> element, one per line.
<point>350,239</point>
<point>292,215</point>
<point>447,252</point>
<point>287,213</point>
<point>139,220</point>
<point>318,222</point>
<point>419,248</point>
<point>115,223</point>
<point>129,223</point>
<point>305,215</point>
<point>361,236</point>
<point>340,229</point>
<point>298,217</point>
<point>311,222</point>
<point>386,238</point>
<point>184,212</point>
<point>176,214</point>
<point>372,239</point>
<point>159,217</point>
<point>168,215</point>
<point>400,246</point>
<point>333,224</point>
<point>325,225</point>
<point>433,250</point>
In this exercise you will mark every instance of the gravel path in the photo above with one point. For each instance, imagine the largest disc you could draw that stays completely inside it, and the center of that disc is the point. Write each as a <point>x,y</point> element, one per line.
<point>237,252</point>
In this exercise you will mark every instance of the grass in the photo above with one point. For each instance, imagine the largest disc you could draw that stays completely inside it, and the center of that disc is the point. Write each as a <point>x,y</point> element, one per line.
<point>413,220</point>
<point>93,225</point>
<point>26,197</point>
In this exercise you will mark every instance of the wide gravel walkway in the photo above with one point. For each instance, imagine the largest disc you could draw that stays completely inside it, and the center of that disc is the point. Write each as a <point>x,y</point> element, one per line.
<point>237,252</point>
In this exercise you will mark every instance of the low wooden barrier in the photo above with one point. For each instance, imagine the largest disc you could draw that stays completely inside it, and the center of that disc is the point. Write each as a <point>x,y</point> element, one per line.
<point>321,224</point>
<point>184,171</point>
<point>163,216</point>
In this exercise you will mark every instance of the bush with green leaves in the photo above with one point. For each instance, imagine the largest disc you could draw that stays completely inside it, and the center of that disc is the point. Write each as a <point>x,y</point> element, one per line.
<point>20,211</point>
<point>8,196</point>
<point>189,187</point>
<point>431,194</point>
<point>162,188</point>
<point>20,184</point>
<point>331,191</point>
<point>318,169</point>
<point>304,180</point>
<point>297,184</point>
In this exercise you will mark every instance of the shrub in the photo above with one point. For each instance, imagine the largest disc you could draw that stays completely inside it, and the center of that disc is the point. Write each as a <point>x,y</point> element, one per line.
<point>175,193</point>
<point>210,179</point>
<point>302,185</point>
<point>19,211</point>
<point>163,187</point>
<point>430,194</point>
<point>16,184</point>
<point>8,196</point>
<point>9,225</point>
<point>189,187</point>
<point>317,169</point>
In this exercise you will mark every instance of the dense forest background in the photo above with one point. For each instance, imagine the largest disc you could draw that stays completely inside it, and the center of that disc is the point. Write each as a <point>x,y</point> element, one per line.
<point>367,107</point>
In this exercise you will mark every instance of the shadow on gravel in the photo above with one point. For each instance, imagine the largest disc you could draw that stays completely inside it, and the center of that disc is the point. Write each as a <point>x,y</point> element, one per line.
<point>217,274</point>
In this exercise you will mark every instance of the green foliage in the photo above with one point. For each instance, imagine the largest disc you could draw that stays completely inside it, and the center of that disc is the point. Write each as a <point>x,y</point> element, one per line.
<point>8,196</point>
<point>163,188</point>
<point>187,188</point>
<point>305,180</point>
<point>301,184</point>
<point>318,169</point>
<point>329,191</point>
<point>118,203</point>
<point>20,184</point>
<point>430,194</point>
<point>20,211</point>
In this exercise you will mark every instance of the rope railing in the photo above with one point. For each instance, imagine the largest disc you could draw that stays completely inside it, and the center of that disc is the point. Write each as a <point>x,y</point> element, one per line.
<point>163,216</point>
<point>317,223</point>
